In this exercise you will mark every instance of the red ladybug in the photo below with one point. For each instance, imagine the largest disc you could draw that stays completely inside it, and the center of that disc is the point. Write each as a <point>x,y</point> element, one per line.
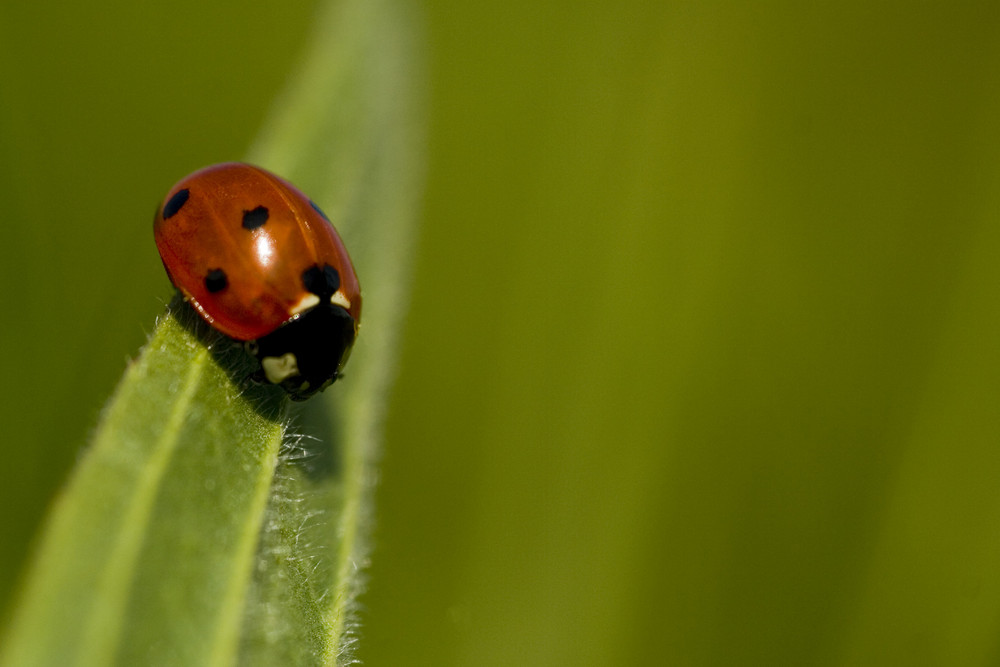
<point>262,263</point>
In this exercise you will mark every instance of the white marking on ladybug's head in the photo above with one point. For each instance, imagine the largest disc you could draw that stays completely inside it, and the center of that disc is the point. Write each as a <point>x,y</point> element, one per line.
<point>278,369</point>
<point>304,304</point>
<point>338,299</point>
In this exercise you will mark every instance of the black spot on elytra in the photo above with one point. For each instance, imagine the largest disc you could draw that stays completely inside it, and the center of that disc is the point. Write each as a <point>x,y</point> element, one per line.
<point>322,282</point>
<point>175,203</point>
<point>255,218</point>
<point>216,281</point>
<point>319,210</point>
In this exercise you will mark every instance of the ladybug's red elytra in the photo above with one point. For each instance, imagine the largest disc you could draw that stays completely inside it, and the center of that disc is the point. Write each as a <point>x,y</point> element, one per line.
<point>261,263</point>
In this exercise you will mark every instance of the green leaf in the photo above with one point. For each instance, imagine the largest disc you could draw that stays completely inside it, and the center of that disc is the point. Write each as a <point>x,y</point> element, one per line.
<point>208,523</point>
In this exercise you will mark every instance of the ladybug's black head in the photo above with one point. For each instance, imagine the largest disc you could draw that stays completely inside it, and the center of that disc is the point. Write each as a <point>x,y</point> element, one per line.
<point>306,355</point>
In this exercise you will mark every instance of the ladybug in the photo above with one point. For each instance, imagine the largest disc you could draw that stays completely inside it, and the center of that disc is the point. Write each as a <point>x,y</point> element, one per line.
<point>261,263</point>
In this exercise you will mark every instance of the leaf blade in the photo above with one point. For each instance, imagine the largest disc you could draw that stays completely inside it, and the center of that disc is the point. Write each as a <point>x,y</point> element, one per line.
<point>78,604</point>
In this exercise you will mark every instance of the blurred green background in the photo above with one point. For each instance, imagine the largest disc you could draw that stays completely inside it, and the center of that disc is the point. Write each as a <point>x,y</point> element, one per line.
<point>701,366</point>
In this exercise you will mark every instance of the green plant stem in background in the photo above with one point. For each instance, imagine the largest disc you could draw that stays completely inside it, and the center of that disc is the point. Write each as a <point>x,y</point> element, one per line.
<point>196,530</point>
